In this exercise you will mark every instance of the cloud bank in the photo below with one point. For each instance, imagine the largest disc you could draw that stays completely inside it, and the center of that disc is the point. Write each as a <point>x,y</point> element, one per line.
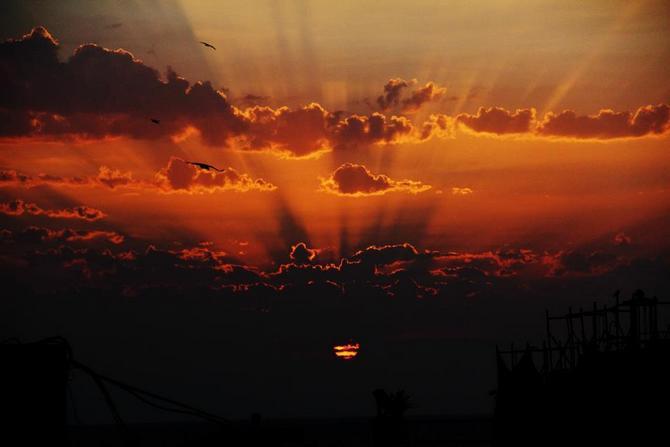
<point>356,180</point>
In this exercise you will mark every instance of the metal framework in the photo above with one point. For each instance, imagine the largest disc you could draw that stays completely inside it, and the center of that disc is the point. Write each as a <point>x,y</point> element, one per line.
<point>628,325</point>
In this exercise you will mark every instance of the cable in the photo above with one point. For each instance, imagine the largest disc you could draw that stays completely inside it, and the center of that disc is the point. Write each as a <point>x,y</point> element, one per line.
<point>137,392</point>
<point>140,394</point>
<point>73,403</point>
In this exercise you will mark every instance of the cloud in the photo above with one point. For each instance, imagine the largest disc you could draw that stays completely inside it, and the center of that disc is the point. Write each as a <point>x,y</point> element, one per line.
<point>357,181</point>
<point>480,265</point>
<point>300,254</point>
<point>184,177</point>
<point>373,264</point>
<point>106,177</point>
<point>386,254</point>
<point>607,124</point>
<point>357,130</point>
<point>437,125</point>
<point>622,239</point>
<point>392,91</point>
<point>17,179</point>
<point>253,99</point>
<point>19,207</point>
<point>582,263</point>
<point>113,178</point>
<point>311,130</point>
<point>498,120</point>
<point>101,93</point>
<point>35,235</point>
<point>176,176</point>
<point>296,132</point>
<point>427,93</point>
<point>461,191</point>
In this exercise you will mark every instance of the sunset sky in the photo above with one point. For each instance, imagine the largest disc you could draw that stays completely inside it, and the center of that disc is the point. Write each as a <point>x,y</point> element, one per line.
<point>423,178</point>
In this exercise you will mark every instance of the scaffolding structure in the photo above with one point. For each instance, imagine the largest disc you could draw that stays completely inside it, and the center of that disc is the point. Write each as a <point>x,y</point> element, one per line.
<point>627,325</point>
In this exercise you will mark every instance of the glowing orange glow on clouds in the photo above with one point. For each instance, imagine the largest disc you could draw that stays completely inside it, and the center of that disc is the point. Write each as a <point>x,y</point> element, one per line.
<point>348,351</point>
<point>409,177</point>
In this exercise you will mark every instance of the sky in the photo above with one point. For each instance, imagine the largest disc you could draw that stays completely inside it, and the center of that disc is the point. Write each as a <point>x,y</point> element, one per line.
<point>422,179</point>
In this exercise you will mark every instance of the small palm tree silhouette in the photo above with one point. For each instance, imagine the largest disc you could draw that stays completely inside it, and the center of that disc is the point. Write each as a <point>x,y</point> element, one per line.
<point>393,405</point>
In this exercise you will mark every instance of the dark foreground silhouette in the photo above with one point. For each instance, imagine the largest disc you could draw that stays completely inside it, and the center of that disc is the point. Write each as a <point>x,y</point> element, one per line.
<point>603,378</point>
<point>34,386</point>
<point>607,382</point>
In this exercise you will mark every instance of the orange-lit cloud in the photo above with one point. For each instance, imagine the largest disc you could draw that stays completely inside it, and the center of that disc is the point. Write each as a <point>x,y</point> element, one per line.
<point>357,130</point>
<point>356,180</point>
<point>581,263</point>
<point>19,207</point>
<point>106,177</point>
<point>297,132</point>
<point>113,178</point>
<point>392,92</point>
<point>17,179</point>
<point>498,120</point>
<point>461,191</point>
<point>437,125</point>
<point>501,263</point>
<point>33,235</point>
<point>183,177</point>
<point>427,93</point>
<point>388,254</point>
<point>100,93</point>
<point>301,254</point>
<point>622,239</point>
<point>607,124</point>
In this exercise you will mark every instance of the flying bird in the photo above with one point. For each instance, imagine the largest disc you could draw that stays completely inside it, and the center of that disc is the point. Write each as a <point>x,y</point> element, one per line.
<point>155,121</point>
<point>209,45</point>
<point>203,166</point>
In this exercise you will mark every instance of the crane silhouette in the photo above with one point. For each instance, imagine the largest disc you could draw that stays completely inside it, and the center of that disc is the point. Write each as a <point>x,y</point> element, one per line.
<point>203,166</point>
<point>209,45</point>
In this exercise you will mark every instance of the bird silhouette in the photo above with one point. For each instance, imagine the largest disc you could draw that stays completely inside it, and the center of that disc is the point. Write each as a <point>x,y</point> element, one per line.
<point>209,45</point>
<point>155,121</point>
<point>203,166</point>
